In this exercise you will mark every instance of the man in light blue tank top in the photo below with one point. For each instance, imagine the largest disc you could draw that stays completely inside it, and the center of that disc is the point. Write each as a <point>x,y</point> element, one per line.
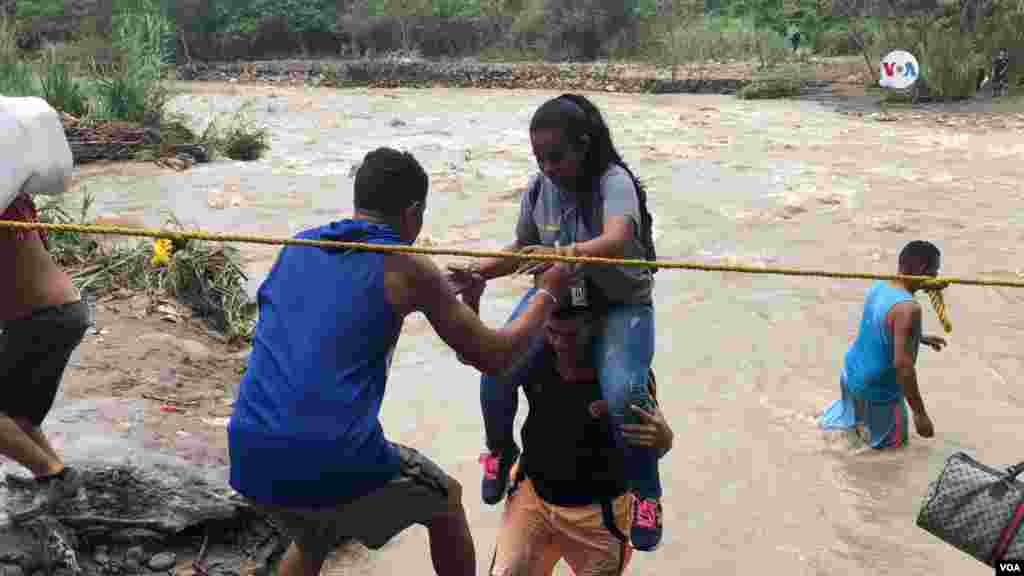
<point>305,440</point>
<point>879,377</point>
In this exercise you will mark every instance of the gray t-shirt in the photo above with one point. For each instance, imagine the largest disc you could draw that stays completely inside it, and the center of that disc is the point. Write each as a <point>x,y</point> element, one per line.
<point>555,217</point>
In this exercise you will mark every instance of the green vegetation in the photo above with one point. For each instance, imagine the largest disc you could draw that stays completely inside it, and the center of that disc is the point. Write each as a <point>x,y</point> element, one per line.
<point>128,86</point>
<point>239,139</point>
<point>120,81</point>
<point>782,84</point>
<point>206,276</point>
<point>952,41</point>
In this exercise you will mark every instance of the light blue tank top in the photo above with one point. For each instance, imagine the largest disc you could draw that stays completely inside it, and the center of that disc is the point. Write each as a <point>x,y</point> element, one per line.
<point>868,366</point>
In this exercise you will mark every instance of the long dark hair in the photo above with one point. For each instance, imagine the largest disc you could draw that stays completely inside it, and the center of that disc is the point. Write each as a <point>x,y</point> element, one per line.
<point>579,119</point>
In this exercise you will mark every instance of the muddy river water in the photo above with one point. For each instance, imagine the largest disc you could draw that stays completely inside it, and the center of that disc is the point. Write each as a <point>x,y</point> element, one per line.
<point>745,363</point>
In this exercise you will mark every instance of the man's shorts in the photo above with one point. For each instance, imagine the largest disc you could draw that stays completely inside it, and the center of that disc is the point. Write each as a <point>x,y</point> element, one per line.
<point>33,354</point>
<point>884,423</point>
<point>879,424</point>
<point>418,494</point>
<point>534,535</point>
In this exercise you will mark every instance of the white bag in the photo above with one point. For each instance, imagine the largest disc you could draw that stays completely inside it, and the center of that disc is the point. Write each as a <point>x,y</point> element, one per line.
<point>35,157</point>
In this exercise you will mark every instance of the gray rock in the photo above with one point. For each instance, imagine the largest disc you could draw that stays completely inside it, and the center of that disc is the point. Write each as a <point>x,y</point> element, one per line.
<point>193,350</point>
<point>196,351</point>
<point>162,498</point>
<point>131,495</point>
<point>134,536</point>
<point>162,561</point>
<point>135,554</point>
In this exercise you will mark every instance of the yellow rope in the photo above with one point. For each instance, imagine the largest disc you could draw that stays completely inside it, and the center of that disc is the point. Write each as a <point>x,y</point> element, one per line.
<point>940,309</point>
<point>937,283</point>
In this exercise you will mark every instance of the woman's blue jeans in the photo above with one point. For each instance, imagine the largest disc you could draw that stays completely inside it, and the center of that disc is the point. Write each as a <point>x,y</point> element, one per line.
<point>623,351</point>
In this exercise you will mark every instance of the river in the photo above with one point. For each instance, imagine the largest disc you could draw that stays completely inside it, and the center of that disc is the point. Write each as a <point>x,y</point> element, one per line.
<point>745,362</point>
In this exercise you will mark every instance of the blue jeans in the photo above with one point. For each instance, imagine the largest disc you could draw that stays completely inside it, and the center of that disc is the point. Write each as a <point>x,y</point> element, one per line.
<point>623,351</point>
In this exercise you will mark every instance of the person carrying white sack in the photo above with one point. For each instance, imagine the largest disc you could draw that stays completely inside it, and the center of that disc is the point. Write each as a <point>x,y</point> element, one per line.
<point>41,311</point>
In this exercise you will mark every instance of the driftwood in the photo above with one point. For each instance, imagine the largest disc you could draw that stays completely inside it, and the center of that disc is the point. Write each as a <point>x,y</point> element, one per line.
<point>91,142</point>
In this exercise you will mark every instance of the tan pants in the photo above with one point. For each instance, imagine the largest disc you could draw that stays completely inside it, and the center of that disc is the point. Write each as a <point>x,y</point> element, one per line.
<point>534,535</point>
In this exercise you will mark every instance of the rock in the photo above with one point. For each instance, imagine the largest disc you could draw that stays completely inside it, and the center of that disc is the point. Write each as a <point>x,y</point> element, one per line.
<point>176,163</point>
<point>100,556</point>
<point>11,556</point>
<point>162,561</point>
<point>194,350</point>
<point>134,536</point>
<point>135,554</point>
<point>132,494</point>
<point>163,498</point>
<point>157,337</point>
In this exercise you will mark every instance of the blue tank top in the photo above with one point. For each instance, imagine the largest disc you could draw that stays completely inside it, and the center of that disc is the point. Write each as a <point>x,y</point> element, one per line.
<point>868,366</point>
<point>305,430</point>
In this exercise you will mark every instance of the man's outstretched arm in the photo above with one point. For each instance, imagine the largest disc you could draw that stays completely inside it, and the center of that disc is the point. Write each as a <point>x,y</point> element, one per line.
<point>490,351</point>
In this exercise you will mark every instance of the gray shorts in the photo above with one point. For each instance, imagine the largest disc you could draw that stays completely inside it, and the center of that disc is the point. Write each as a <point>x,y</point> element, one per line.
<point>418,494</point>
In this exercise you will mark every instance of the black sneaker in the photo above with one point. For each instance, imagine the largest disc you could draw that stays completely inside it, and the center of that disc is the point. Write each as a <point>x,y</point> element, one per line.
<point>496,469</point>
<point>45,495</point>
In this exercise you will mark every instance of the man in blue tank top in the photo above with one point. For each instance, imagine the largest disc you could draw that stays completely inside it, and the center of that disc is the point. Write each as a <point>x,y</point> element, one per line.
<point>879,367</point>
<point>305,441</point>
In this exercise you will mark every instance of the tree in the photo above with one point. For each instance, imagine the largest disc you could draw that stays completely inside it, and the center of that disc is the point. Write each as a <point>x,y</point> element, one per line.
<point>850,11</point>
<point>406,12</point>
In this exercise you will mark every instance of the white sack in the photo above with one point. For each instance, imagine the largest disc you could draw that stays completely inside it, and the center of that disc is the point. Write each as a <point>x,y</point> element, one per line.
<point>35,157</point>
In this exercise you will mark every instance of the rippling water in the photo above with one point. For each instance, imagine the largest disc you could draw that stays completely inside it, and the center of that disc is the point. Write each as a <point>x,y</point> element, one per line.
<point>747,362</point>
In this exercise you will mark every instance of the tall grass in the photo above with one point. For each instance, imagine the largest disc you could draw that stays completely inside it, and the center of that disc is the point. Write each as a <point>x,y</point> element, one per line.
<point>126,86</point>
<point>16,75</point>
<point>131,87</point>
<point>60,87</point>
<point>715,39</point>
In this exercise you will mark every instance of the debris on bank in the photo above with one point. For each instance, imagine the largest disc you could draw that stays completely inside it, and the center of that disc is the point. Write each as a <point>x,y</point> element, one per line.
<point>391,73</point>
<point>206,277</point>
<point>117,140</point>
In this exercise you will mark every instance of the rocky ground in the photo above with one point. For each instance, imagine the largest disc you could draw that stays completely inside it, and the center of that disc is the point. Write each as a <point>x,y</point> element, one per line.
<point>142,412</point>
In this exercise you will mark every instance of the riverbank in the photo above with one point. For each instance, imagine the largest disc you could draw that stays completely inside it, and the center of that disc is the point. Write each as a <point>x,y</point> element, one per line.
<point>615,77</point>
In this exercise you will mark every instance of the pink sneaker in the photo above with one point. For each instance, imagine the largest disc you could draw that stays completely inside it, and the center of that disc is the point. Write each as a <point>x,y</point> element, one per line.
<point>645,533</point>
<point>495,480</point>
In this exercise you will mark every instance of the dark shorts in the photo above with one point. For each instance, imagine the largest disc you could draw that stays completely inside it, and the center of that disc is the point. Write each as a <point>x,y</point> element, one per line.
<point>418,494</point>
<point>33,354</point>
